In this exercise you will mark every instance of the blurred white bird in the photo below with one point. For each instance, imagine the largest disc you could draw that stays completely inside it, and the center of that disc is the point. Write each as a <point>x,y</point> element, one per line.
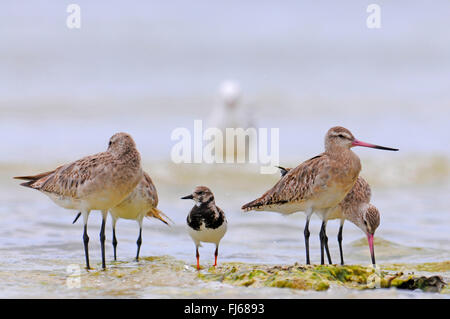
<point>230,112</point>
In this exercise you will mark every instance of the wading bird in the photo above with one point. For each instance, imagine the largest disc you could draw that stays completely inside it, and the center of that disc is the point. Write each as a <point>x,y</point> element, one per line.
<point>96,182</point>
<point>206,221</point>
<point>357,209</point>
<point>318,184</point>
<point>140,203</point>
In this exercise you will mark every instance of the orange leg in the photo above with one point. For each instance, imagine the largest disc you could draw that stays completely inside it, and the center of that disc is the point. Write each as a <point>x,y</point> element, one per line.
<point>198,259</point>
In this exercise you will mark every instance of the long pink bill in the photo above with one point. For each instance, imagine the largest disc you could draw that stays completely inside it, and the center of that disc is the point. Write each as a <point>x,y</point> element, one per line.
<point>361,143</point>
<point>372,251</point>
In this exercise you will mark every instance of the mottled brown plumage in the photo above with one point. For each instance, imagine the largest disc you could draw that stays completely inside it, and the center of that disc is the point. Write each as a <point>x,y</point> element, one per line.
<point>320,182</point>
<point>354,204</point>
<point>141,202</point>
<point>360,194</point>
<point>96,182</point>
<point>317,185</point>
<point>356,208</point>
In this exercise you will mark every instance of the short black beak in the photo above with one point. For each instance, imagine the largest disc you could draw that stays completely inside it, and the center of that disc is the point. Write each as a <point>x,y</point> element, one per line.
<point>188,197</point>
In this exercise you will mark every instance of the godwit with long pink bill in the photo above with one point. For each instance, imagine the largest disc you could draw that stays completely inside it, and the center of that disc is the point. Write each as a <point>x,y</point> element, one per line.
<point>96,182</point>
<point>318,184</point>
<point>356,208</point>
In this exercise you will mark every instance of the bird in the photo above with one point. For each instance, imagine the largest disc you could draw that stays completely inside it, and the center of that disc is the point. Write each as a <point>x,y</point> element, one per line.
<point>229,111</point>
<point>356,208</point>
<point>140,203</point>
<point>97,182</point>
<point>318,184</point>
<point>206,221</point>
<point>232,113</point>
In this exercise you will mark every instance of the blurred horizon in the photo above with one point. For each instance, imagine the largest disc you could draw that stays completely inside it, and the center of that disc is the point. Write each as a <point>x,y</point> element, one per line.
<point>151,67</point>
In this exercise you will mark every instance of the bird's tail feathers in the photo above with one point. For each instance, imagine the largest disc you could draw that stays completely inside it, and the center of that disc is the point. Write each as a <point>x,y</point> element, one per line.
<point>156,213</point>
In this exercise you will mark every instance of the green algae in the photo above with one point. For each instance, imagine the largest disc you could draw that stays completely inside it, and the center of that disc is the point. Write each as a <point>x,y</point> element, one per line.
<point>164,275</point>
<point>320,277</point>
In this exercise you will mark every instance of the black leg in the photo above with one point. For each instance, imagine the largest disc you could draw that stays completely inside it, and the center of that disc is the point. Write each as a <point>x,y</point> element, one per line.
<point>322,244</point>
<point>325,242</point>
<point>114,242</point>
<point>86,246</point>
<point>307,233</point>
<point>340,244</point>
<point>76,218</point>
<point>102,243</point>
<point>139,242</point>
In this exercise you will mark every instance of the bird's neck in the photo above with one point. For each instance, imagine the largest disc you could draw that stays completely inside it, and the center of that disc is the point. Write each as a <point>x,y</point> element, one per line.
<point>355,215</point>
<point>209,203</point>
<point>129,155</point>
<point>336,149</point>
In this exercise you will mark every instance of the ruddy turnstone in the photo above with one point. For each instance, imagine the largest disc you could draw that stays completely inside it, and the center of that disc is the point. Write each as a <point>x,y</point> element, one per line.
<point>206,221</point>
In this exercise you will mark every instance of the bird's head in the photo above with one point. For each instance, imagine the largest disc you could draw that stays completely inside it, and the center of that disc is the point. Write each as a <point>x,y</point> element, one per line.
<point>340,137</point>
<point>201,195</point>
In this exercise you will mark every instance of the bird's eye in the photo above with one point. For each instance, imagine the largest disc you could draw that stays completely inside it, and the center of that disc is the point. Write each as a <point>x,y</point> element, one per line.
<point>342,136</point>
<point>109,143</point>
<point>200,193</point>
<point>365,223</point>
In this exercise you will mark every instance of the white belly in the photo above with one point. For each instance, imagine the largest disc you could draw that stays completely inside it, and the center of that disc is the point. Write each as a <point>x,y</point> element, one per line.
<point>285,209</point>
<point>208,235</point>
<point>67,202</point>
<point>101,202</point>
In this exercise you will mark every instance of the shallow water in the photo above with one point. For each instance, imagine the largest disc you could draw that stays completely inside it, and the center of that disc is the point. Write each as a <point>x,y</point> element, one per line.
<point>39,243</point>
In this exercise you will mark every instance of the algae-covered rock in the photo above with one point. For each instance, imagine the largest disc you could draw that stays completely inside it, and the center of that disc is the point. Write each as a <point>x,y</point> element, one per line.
<point>430,284</point>
<point>319,277</point>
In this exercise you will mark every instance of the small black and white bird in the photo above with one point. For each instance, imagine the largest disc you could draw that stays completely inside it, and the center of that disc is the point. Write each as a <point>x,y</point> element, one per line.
<point>206,222</point>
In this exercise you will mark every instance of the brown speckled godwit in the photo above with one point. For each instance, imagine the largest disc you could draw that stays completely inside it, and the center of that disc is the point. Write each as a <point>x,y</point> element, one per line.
<point>140,203</point>
<point>96,182</point>
<point>318,184</point>
<point>357,209</point>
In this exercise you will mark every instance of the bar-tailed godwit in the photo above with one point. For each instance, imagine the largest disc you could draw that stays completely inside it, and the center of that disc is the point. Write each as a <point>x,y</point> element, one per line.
<point>318,184</point>
<point>140,203</point>
<point>206,221</point>
<point>96,182</point>
<point>357,209</point>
